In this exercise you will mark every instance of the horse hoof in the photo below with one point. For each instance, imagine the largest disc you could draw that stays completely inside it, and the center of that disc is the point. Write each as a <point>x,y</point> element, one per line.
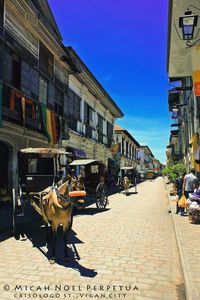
<point>52,260</point>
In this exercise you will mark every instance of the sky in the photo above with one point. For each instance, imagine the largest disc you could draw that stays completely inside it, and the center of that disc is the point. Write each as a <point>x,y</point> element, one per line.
<point>124,44</point>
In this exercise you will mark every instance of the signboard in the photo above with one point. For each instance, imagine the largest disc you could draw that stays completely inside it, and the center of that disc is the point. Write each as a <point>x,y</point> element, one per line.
<point>196,69</point>
<point>20,33</point>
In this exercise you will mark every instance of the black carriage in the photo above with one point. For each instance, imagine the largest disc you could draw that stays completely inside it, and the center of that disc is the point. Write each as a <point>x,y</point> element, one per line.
<point>132,175</point>
<point>93,174</point>
<point>38,168</point>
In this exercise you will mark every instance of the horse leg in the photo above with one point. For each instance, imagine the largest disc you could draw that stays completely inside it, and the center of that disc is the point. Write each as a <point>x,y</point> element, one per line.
<point>65,231</point>
<point>48,239</point>
<point>48,231</point>
<point>54,233</point>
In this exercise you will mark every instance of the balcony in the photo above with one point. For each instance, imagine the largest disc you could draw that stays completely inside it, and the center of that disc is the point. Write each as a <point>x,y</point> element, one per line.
<point>18,109</point>
<point>16,116</point>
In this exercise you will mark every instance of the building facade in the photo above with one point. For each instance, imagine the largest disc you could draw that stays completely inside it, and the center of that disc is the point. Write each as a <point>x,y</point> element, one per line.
<point>183,68</point>
<point>146,159</point>
<point>92,113</point>
<point>127,147</point>
<point>48,97</point>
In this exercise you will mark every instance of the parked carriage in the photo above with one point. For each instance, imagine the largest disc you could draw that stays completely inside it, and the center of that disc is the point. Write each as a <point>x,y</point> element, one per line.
<point>131,173</point>
<point>93,175</point>
<point>38,168</point>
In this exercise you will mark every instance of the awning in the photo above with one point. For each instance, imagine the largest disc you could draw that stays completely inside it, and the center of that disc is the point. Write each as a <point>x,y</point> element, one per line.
<point>127,168</point>
<point>75,153</point>
<point>43,151</point>
<point>83,162</point>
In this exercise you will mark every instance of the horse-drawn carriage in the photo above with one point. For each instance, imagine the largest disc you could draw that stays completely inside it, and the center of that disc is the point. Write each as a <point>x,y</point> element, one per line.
<point>92,174</point>
<point>151,174</point>
<point>131,173</point>
<point>39,168</point>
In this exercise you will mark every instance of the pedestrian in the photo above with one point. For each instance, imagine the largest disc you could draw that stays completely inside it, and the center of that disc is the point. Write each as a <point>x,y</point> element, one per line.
<point>179,187</point>
<point>189,183</point>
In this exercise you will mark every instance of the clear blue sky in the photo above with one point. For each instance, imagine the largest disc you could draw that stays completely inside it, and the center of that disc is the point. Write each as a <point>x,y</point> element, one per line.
<point>123,43</point>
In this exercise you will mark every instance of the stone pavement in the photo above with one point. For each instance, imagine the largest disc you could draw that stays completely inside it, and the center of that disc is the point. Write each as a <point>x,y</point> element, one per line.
<point>188,239</point>
<point>127,252</point>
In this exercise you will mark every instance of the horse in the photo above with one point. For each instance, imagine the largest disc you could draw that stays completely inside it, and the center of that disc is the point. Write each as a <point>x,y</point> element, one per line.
<point>126,184</point>
<point>55,207</point>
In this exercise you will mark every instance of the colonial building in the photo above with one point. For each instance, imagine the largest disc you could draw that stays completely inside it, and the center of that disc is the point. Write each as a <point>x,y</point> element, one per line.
<point>92,112</point>
<point>48,97</point>
<point>127,147</point>
<point>183,68</point>
<point>146,159</point>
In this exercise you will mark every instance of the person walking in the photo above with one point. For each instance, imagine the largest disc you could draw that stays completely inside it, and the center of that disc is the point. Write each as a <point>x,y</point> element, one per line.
<point>190,183</point>
<point>179,187</point>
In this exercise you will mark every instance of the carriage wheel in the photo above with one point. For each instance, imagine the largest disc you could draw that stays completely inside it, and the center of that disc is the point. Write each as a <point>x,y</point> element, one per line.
<point>101,196</point>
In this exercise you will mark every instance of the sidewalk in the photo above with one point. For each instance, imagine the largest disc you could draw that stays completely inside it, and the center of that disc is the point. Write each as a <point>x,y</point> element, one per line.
<point>188,240</point>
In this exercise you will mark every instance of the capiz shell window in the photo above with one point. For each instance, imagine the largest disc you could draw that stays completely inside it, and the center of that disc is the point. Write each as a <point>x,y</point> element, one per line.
<point>43,90</point>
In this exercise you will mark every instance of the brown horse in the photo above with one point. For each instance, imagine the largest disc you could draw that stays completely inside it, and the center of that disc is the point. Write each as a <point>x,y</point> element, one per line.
<point>126,184</point>
<point>55,207</point>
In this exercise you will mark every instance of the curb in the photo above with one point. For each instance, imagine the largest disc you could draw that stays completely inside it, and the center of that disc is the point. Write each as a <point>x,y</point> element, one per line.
<point>188,288</point>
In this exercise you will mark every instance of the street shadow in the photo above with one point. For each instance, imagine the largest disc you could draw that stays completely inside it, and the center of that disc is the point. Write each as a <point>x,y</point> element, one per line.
<point>5,235</point>
<point>129,193</point>
<point>37,235</point>
<point>74,264</point>
<point>89,211</point>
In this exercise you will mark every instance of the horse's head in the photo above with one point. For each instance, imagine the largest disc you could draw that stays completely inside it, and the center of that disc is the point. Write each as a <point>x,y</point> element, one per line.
<point>76,185</point>
<point>72,184</point>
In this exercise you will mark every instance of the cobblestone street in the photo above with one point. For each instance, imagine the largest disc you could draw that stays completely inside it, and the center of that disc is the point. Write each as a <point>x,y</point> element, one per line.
<point>127,252</point>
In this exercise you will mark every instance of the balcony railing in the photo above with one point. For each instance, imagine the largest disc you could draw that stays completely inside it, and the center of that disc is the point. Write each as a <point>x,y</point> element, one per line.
<point>25,112</point>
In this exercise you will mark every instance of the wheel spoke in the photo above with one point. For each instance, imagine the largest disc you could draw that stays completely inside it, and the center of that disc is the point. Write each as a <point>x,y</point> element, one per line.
<point>101,196</point>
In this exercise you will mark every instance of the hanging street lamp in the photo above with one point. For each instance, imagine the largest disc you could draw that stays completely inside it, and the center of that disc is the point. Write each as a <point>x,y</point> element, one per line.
<point>187,23</point>
<point>175,112</point>
<point>187,26</point>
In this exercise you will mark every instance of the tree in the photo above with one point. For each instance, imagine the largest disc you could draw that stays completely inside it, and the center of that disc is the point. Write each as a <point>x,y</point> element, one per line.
<point>174,170</point>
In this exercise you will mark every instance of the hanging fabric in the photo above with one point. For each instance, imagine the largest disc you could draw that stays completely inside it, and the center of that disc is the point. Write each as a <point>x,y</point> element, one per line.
<point>53,126</point>
<point>44,122</point>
